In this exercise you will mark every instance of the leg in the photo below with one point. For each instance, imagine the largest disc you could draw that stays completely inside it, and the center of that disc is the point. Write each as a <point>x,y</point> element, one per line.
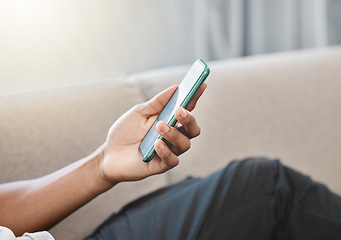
<point>314,211</point>
<point>251,199</point>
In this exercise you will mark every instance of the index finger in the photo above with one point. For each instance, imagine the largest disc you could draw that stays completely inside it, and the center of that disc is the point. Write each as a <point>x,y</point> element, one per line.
<point>195,99</point>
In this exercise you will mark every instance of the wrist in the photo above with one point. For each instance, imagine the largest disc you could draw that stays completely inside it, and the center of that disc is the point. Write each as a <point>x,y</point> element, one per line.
<point>101,183</point>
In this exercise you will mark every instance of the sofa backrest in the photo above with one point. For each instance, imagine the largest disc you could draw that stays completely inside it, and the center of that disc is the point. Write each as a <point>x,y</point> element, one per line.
<point>61,124</point>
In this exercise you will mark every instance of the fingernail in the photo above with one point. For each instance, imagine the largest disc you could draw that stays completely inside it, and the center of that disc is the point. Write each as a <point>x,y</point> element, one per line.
<point>164,128</point>
<point>183,113</point>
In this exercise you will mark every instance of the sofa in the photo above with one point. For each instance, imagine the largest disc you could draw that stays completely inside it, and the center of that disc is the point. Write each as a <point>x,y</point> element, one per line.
<point>283,106</point>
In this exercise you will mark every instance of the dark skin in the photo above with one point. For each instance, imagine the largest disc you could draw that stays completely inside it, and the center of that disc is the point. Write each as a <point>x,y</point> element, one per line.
<point>38,204</point>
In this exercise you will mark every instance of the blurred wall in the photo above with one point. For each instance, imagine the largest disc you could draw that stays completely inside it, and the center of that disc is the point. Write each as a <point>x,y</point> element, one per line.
<point>48,43</point>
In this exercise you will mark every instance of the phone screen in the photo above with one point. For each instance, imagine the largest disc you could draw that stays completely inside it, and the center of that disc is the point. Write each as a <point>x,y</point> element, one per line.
<point>182,97</point>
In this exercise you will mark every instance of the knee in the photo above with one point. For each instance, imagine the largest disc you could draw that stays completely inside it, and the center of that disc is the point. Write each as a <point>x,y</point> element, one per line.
<point>256,173</point>
<point>258,165</point>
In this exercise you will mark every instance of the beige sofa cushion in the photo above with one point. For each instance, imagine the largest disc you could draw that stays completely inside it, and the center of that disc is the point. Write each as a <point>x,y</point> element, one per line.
<point>285,106</point>
<point>42,131</point>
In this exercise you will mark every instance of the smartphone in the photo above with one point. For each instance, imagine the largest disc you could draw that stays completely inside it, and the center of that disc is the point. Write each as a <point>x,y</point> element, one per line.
<point>184,94</point>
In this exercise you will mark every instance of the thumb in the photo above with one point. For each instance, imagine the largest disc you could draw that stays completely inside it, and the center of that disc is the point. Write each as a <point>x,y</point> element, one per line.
<point>156,104</point>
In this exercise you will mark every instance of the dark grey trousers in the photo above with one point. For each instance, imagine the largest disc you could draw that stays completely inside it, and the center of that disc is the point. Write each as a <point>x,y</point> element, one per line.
<point>249,199</point>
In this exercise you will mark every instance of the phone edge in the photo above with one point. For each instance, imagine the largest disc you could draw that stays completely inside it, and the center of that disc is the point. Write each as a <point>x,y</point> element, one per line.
<point>149,156</point>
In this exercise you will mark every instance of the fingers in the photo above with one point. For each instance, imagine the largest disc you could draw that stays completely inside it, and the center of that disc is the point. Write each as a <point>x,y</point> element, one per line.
<point>168,159</point>
<point>188,122</point>
<point>178,141</point>
<point>194,101</point>
<point>180,138</point>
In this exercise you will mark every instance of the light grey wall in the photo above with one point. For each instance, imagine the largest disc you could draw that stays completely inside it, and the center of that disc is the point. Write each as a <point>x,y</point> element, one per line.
<point>52,43</point>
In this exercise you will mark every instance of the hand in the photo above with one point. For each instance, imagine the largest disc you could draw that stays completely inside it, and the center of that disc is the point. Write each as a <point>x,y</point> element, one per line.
<point>121,160</point>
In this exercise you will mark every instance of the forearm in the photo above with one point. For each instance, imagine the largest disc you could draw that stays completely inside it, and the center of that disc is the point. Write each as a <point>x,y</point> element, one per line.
<point>38,204</point>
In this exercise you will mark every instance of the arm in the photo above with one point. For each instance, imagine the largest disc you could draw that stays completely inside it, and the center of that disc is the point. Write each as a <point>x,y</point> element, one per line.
<point>38,204</point>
